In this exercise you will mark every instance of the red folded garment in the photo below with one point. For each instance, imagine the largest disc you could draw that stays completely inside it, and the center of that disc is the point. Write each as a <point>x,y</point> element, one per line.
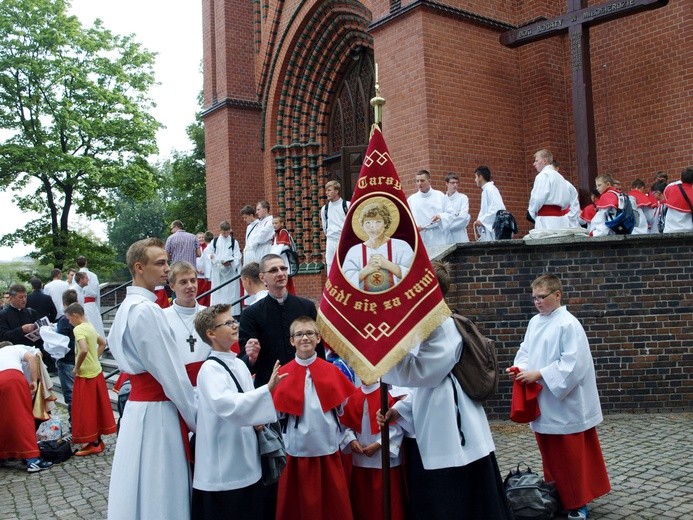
<point>525,406</point>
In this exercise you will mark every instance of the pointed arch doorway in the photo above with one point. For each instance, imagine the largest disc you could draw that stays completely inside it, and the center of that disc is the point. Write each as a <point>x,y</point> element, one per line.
<point>351,117</point>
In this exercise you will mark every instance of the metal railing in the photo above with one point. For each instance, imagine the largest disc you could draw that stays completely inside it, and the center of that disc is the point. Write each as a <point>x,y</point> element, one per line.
<point>235,302</point>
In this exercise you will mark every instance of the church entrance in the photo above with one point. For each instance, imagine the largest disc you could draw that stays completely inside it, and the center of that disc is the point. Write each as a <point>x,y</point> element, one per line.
<point>351,116</point>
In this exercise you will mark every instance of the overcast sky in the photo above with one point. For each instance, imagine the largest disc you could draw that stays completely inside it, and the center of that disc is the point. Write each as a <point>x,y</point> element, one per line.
<point>172,29</point>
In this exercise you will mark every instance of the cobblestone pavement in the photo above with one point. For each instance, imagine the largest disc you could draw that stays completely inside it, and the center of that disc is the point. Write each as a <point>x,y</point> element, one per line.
<point>647,457</point>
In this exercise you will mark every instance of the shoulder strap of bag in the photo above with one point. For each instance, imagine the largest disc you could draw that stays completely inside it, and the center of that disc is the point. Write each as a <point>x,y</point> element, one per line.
<point>214,244</point>
<point>685,196</point>
<point>240,390</point>
<point>344,206</point>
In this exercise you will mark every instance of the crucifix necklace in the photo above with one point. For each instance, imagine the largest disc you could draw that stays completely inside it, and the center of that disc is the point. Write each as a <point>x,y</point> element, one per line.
<point>191,340</point>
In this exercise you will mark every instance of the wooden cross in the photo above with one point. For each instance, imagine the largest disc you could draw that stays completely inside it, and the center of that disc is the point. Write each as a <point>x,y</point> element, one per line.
<point>191,341</point>
<point>577,22</point>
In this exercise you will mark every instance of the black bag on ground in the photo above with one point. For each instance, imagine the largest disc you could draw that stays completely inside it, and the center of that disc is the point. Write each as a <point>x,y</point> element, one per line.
<point>504,226</point>
<point>477,368</point>
<point>529,496</point>
<point>55,451</point>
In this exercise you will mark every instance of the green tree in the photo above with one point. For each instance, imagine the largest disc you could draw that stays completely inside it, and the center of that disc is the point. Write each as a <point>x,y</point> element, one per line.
<point>135,220</point>
<point>74,104</point>
<point>185,186</point>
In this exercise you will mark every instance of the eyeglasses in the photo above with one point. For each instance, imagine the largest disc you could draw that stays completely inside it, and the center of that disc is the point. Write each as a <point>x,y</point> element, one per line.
<point>541,297</point>
<point>308,333</point>
<point>275,270</point>
<point>230,323</point>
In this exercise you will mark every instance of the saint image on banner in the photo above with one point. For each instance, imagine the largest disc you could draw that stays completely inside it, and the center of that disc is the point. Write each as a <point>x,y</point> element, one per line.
<point>384,298</point>
<point>380,261</point>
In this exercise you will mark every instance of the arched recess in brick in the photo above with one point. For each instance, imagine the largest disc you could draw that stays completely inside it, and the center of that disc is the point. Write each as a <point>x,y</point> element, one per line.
<point>312,57</point>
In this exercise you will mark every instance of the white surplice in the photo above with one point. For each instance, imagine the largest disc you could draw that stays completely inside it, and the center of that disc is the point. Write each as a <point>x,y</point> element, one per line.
<point>226,249</point>
<point>491,203</point>
<point>182,322</point>
<point>366,437</point>
<point>332,219</point>
<point>92,310</point>
<point>456,217</point>
<point>150,476</point>
<point>264,236</point>
<point>557,346</point>
<point>315,433</point>
<point>549,189</point>
<point>430,408</point>
<point>226,450</point>
<point>424,206</point>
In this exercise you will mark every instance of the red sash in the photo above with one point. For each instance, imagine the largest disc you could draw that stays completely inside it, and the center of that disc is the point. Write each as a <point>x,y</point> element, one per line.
<point>89,299</point>
<point>193,369</point>
<point>145,388</point>
<point>550,210</point>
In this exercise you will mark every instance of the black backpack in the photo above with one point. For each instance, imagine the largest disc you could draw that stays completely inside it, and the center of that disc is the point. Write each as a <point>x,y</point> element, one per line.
<point>504,226</point>
<point>529,497</point>
<point>477,368</point>
<point>55,451</point>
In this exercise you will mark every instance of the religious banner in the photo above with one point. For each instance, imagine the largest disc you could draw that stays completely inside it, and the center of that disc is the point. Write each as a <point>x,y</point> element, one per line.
<point>381,297</point>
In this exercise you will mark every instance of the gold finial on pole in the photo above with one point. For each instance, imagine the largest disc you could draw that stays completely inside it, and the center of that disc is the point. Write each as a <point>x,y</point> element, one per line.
<point>377,102</point>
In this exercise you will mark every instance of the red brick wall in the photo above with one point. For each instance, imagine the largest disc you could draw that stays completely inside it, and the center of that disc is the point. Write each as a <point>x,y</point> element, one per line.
<point>632,295</point>
<point>455,97</point>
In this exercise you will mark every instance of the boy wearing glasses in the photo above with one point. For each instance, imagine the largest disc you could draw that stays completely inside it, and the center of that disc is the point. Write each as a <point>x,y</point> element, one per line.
<point>556,353</point>
<point>227,457</point>
<point>313,484</point>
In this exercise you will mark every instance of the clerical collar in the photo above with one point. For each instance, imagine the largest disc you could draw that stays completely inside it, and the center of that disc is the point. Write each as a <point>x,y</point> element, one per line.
<point>307,362</point>
<point>279,300</point>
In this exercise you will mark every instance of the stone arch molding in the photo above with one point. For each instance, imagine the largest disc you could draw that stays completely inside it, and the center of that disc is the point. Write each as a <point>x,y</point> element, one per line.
<point>311,56</point>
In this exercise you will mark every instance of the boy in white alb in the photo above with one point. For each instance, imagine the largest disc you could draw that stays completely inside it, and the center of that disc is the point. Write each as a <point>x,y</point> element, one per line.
<point>150,477</point>
<point>332,218</point>
<point>313,484</point>
<point>491,203</point>
<point>555,352</point>
<point>264,230</point>
<point>456,215</point>
<point>427,206</point>
<point>181,317</point>
<point>549,201</point>
<point>451,464</point>
<point>227,457</point>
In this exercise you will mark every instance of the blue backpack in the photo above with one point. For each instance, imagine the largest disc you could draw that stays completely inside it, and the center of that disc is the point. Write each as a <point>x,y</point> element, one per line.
<point>625,219</point>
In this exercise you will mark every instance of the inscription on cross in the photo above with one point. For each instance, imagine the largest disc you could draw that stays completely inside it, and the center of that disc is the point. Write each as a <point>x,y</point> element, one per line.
<point>577,21</point>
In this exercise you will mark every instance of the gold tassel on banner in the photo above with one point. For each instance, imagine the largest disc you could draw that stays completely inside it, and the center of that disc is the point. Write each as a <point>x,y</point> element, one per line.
<point>40,412</point>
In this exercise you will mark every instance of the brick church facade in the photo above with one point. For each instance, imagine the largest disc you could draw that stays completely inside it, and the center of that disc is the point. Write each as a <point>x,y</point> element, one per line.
<point>287,85</point>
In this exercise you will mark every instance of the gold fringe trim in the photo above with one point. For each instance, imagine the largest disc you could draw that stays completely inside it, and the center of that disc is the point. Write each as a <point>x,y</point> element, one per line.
<point>367,372</point>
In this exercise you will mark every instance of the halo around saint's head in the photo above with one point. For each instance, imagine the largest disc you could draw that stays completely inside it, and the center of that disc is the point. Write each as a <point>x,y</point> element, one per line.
<point>389,206</point>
